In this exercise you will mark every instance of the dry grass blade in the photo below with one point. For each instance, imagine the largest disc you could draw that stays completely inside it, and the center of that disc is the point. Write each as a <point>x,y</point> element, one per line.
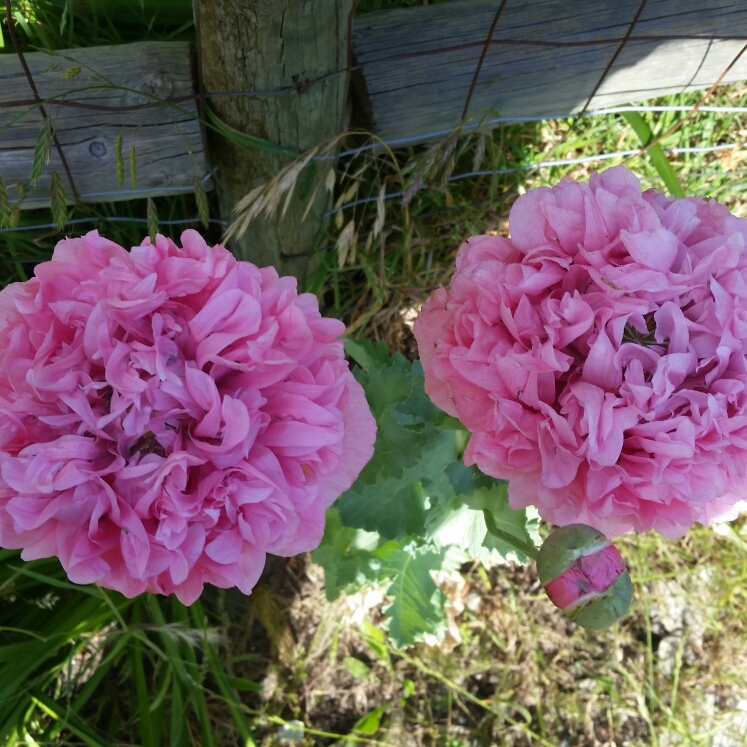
<point>380,212</point>
<point>58,200</point>
<point>436,157</point>
<point>480,151</point>
<point>345,240</point>
<point>265,199</point>
<point>203,208</point>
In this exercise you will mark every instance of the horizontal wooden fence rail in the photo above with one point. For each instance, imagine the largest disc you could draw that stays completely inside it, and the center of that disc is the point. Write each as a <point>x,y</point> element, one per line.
<point>414,69</point>
<point>167,139</point>
<point>417,64</point>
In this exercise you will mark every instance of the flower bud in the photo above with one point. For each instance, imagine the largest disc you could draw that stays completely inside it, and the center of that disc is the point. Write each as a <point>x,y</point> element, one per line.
<point>585,575</point>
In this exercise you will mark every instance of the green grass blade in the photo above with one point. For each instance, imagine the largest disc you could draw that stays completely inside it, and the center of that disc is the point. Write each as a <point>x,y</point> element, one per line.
<point>247,141</point>
<point>147,737</point>
<point>71,720</point>
<point>655,152</point>
<point>224,683</point>
<point>178,735</point>
<point>197,696</point>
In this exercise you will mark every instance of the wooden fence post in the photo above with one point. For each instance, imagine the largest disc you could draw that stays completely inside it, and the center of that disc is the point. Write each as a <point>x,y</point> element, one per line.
<point>263,45</point>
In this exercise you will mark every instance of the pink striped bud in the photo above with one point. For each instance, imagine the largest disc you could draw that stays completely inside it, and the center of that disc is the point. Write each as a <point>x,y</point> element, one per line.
<point>585,575</point>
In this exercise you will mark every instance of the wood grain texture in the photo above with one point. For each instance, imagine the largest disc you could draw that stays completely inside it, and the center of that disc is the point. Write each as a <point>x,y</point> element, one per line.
<point>415,90</point>
<point>264,45</point>
<point>167,138</point>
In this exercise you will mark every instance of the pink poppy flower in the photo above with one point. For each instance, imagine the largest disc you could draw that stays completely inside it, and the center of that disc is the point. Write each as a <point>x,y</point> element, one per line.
<point>598,355</point>
<point>168,416</point>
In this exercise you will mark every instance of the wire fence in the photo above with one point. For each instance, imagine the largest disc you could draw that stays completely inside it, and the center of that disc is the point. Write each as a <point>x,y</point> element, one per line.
<point>618,43</point>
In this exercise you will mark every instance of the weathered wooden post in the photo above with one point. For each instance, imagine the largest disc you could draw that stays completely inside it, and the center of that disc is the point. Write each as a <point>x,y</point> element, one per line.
<point>264,45</point>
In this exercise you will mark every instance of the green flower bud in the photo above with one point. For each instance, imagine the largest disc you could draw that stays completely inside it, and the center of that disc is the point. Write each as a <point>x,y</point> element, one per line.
<point>585,576</point>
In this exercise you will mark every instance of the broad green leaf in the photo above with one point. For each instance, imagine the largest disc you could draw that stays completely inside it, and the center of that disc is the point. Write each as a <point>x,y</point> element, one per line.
<point>388,507</point>
<point>397,447</point>
<point>417,603</point>
<point>359,352</point>
<point>386,384</point>
<point>396,506</point>
<point>465,480</point>
<point>460,526</point>
<point>418,407</point>
<point>345,554</point>
<point>509,531</point>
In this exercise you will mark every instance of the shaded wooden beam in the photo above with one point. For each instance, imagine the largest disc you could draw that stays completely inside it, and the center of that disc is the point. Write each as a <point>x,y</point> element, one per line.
<point>166,138</point>
<point>418,63</point>
<point>251,45</point>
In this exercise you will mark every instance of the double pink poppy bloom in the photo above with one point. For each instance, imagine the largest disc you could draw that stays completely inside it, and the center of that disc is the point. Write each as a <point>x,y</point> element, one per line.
<point>598,355</point>
<point>170,415</point>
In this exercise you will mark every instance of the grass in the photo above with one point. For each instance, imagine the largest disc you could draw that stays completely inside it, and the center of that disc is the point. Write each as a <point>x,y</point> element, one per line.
<point>91,667</point>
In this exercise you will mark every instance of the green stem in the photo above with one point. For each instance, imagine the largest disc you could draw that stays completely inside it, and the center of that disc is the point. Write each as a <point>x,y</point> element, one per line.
<point>655,152</point>
<point>529,550</point>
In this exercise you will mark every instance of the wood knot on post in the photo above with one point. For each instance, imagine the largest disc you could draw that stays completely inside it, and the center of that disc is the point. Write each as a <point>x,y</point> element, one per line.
<point>157,85</point>
<point>97,149</point>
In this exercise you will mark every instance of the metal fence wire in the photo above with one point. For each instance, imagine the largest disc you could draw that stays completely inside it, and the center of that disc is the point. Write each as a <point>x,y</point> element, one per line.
<point>618,43</point>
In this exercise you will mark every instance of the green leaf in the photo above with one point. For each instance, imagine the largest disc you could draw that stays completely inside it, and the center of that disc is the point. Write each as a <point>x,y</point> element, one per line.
<point>247,141</point>
<point>406,418</point>
<point>655,153</point>
<point>244,685</point>
<point>356,667</point>
<point>58,200</point>
<point>203,209</point>
<point>460,526</point>
<point>386,384</point>
<point>369,724</point>
<point>396,506</point>
<point>376,640</point>
<point>397,447</point>
<point>388,507</point>
<point>41,151</point>
<point>509,531</point>
<point>152,214</point>
<point>346,556</point>
<point>417,603</point>
<point>363,352</point>
<point>119,160</point>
